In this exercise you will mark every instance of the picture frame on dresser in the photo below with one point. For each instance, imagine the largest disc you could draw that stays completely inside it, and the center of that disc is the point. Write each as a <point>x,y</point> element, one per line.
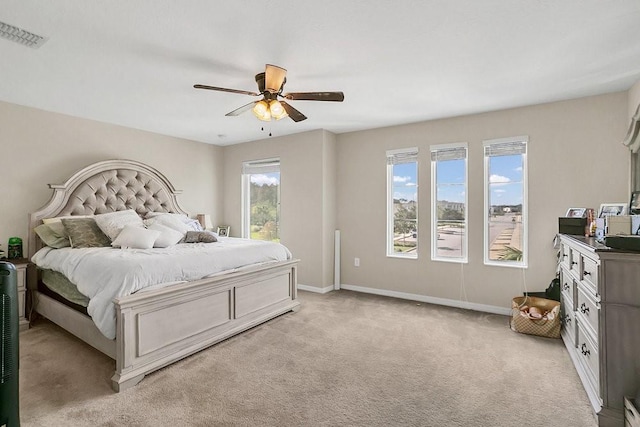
<point>634,203</point>
<point>576,212</point>
<point>612,209</point>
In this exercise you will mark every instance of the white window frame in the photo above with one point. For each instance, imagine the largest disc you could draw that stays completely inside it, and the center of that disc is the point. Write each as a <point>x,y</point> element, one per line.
<point>506,142</point>
<point>250,168</point>
<point>405,155</point>
<point>443,149</point>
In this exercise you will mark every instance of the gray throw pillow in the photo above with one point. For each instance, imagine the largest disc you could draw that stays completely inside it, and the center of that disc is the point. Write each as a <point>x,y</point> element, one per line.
<point>85,233</point>
<point>200,237</point>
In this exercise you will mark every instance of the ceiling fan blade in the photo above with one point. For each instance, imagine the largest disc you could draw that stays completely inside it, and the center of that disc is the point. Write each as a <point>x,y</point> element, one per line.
<point>295,115</point>
<point>242,109</point>
<point>222,89</point>
<point>274,78</point>
<point>315,96</point>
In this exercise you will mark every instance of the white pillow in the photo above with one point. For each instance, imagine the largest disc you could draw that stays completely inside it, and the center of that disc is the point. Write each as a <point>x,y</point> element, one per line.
<point>112,223</point>
<point>168,236</point>
<point>192,223</point>
<point>169,220</point>
<point>133,237</point>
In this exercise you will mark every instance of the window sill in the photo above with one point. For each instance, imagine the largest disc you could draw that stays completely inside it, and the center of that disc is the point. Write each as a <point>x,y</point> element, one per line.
<point>402,256</point>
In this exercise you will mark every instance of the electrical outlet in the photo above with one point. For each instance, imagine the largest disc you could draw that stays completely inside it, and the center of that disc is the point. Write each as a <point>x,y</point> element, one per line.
<point>356,262</point>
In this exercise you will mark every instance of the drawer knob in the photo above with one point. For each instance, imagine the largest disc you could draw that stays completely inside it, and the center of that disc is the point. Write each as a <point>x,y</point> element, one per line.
<point>585,351</point>
<point>574,262</point>
<point>565,286</point>
<point>564,255</point>
<point>584,309</point>
<point>586,273</point>
<point>566,319</point>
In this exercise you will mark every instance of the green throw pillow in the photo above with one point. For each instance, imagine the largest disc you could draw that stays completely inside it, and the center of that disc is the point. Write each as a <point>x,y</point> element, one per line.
<point>53,235</point>
<point>85,233</point>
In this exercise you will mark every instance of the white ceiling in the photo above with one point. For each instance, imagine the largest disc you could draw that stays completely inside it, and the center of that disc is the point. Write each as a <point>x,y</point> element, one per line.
<point>134,63</point>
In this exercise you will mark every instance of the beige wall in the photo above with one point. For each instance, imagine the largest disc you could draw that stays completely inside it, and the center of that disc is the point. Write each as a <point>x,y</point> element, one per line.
<point>575,159</point>
<point>39,148</point>
<point>634,99</point>
<point>328,182</point>
<point>306,166</point>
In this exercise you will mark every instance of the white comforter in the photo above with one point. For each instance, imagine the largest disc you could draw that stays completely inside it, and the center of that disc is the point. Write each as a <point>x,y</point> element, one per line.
<point>103,274</point>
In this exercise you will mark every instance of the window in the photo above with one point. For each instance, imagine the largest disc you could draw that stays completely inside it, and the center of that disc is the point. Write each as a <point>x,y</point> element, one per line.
<point>402,203</point>
<point>505,197</point>
<point>449,202</point>
<point>261,199</point>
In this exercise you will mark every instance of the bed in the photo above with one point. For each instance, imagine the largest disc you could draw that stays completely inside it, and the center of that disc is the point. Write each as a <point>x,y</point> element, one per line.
<point>161,325</point>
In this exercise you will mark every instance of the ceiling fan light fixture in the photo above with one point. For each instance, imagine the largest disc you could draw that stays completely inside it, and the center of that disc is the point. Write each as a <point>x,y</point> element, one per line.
<point>277,110</point>
<point>261,111</point>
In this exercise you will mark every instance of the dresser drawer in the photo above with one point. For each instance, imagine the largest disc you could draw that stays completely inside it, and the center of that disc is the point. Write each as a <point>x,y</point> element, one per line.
<point>575,263</point>
<point>567,287</point>
<point>588,357</point>
<point>590,274</point>
<point>568,321</point>
<point>631,416</point>
<point>588,310</point>
<point>565,254</point>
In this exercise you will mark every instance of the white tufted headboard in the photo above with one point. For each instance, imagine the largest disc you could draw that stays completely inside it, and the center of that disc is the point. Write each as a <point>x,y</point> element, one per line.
<point>107,186</point>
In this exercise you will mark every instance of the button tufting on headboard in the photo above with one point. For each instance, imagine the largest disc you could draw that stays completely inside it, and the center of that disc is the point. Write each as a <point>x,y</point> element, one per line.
<point>107,186</point>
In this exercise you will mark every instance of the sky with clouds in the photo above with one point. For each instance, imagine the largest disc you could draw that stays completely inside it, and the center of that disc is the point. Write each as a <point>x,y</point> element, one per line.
<point>261,179</point>
<point>505,180</point>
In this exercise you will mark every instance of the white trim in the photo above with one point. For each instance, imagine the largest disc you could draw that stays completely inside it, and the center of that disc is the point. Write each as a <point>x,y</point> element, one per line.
<point>391,153</point>
<point>254,167</point>
<point>525,205</point>
<point>434,205</point>
<point>245,203</point>
<point>431,300</point>
<point>390,214</point>
<point>315,289</point>
<point>336,259</point>
<point>522,138</point>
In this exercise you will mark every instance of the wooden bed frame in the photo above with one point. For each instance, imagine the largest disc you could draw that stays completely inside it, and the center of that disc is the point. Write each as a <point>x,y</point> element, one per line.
<point>159,327</point>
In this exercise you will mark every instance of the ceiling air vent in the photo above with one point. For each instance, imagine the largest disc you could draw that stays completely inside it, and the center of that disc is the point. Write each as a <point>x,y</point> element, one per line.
<point>21,36</point>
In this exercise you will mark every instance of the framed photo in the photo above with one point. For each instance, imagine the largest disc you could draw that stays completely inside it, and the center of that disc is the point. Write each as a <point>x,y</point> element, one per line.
<point>634,204</point>
<point>576,212</point>
<point>223,230</point>
<point>612,209</point>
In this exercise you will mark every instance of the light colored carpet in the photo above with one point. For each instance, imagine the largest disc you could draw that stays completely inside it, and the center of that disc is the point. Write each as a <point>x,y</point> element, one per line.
<point>345,359</point>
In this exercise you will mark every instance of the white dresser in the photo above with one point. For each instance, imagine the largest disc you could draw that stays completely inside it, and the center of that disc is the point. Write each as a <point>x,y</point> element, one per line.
<point>600,294</point>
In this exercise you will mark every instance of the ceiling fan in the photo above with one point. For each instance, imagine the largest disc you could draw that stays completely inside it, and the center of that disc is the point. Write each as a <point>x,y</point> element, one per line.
<point>270,86</point>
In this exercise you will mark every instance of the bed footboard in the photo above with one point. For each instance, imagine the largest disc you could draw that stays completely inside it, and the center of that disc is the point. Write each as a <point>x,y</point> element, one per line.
<point>155,329</point>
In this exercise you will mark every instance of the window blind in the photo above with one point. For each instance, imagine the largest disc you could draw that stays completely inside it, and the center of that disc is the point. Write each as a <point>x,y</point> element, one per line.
<point>261,166</point>
<point>441,153</point>
<point>396,157</point>
<point>505,148</point>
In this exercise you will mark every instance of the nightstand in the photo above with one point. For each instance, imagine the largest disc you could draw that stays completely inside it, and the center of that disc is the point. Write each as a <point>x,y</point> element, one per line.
<point>631,416</point>
<point>21,280</point>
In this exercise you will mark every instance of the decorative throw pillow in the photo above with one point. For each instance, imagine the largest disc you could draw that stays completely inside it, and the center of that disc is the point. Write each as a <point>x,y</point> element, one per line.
<point>59,219</point>
<point>133,237</point>
<point>168,236</point>
<point>112,223</point>
<point>85,233</point>
<point>169,220</point>
<point>200,237</point>
<point>53,235</point>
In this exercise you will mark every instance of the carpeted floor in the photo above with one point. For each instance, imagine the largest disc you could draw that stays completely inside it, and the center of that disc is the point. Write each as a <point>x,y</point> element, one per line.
<point>345,359</point>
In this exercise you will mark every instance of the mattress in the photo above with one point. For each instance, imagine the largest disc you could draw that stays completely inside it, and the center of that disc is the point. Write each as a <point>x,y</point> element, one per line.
<point>104,274</point>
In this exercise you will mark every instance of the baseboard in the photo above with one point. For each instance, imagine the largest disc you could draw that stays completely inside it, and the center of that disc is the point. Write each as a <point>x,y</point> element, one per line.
<point>315,289</point>
<point>431,300</point>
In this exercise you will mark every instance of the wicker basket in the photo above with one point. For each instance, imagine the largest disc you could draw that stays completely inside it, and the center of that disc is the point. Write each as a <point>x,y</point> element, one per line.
<point>549,326</point>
